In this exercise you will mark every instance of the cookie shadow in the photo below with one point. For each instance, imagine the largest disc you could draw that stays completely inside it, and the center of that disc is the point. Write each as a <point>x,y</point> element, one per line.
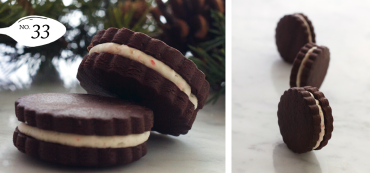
<point>159,143</point>
<point>280,75</point>
<point>158,146</point>
<point>286,161</point>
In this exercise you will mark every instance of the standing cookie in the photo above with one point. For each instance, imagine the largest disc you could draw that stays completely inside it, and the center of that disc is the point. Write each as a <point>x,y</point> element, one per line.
<point>81,129</point>
<point>310,66</point>
<point>133,66</point>
<point>293,32</point>
<point>305,119</point>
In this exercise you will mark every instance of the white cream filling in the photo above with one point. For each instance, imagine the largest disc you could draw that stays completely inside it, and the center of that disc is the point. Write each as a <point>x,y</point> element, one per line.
<point>322,125</point>
<point>91,141</point>
<point>150,62</point>
<point>307,26</point>
<point>303,63</point>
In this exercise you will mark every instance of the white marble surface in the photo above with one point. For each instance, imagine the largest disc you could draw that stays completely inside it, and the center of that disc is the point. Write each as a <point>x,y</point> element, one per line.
<point>260,77</point>
<point>201,150</point>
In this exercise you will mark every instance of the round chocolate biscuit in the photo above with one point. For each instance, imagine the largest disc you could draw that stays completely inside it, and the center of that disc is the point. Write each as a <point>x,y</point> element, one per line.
<point>112,74</point>
<point>77,156</point>
<point>81,129</point>
<point>299,119</point>
<point>292,32</point>
<point>310,66</point>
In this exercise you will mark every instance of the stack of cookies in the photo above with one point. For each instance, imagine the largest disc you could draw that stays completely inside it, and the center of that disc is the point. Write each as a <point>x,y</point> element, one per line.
<point>135,84</point>
<point>304,115</point>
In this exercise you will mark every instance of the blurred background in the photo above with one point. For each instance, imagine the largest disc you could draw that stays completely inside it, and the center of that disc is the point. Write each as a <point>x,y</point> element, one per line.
<point>194,27</point>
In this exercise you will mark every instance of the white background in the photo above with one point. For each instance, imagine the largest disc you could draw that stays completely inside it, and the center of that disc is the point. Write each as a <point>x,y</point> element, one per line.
<point>260,77</point>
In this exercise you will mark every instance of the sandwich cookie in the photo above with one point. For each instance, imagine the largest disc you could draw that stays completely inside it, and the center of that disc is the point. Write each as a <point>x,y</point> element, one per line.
<point>133,66</point>
<point>305,119</point>
<point>292,32</point>
<point>310,66</point>
<point>81,129</point>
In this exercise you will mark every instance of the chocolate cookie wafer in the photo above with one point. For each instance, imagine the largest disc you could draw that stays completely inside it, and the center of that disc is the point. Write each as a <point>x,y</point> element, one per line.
<point>82,129</point>
<point>305,119</point>
<point>310,66</point>
<point>292,32</point>
<point>133,66</point>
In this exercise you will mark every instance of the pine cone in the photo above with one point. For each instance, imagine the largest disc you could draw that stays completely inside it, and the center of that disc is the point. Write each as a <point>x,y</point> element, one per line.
<point>187,21</point>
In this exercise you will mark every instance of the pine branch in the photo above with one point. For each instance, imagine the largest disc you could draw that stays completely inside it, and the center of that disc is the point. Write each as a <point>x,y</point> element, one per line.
<point>210,56</point>
<point>130,14</point>
<point>10,13</point>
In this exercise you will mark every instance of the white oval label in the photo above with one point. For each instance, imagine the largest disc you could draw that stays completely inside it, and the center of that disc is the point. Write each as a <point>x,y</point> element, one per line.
<point>35,30</point>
